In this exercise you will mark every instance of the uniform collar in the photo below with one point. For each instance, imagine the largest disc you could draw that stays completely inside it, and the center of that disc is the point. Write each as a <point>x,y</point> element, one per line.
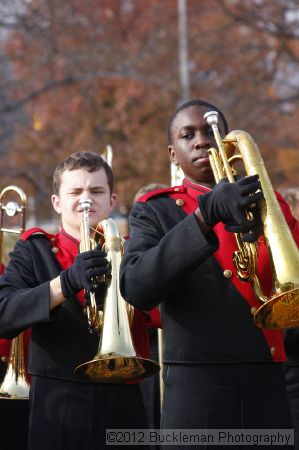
<point>193,189</point>
<point>68,242</point>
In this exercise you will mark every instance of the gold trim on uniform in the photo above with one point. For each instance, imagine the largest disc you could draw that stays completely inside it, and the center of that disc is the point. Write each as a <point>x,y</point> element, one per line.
<point>253,310</point>
<point>227,273</point>
<point>180,202</point>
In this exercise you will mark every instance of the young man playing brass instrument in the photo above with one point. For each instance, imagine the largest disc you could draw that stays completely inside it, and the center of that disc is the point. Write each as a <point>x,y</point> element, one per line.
<point>221,371</point>
<point>42,288</point>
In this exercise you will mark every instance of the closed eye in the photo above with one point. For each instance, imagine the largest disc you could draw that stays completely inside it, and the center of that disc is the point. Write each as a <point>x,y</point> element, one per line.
<point>75,192</point>
<point>98,191</point>
<point>187,135</point>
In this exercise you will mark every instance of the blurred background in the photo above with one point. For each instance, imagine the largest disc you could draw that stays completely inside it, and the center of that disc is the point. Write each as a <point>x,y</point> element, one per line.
<point>80,75</point>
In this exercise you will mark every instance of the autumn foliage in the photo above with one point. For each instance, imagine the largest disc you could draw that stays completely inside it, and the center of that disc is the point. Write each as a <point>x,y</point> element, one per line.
<point>81,75</point>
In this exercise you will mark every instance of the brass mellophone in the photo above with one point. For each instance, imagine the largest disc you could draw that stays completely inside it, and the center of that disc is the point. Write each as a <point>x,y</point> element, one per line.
<point>116,360</point>
<point>281,309</point>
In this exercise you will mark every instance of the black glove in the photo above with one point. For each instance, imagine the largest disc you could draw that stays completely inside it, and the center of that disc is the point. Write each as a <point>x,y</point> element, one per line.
<point>229,202</point>
<point>100,291</point>
<point>87,265</point>
<point>249,234</point>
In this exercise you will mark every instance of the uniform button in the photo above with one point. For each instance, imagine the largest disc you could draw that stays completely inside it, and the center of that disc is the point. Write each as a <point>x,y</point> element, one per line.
<point>227,273</point>
<point>176,189</point>
<point>53,239</point>
<point>272,351</point>
<point>253,310</point>
<point>4,359</point>
<point>180,202</point>
<point>55,249</point>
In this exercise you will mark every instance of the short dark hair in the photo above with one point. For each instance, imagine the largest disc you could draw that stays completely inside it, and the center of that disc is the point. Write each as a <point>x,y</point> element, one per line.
<point>195,102</point>
<point>90,161</point>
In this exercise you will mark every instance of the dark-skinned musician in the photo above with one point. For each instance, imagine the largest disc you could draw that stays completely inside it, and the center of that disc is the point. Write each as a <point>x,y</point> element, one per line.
<point>221,370</point>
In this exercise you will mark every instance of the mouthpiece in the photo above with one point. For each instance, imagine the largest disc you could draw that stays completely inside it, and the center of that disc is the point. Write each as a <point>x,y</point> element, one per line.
<point>85,204</point>
<point>211,117</point>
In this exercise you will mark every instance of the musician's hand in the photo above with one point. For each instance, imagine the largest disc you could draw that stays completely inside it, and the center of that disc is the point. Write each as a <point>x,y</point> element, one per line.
<point>79,275</point>
<point>256,227</point>
<point>229,203</point>
<point>100,292</point>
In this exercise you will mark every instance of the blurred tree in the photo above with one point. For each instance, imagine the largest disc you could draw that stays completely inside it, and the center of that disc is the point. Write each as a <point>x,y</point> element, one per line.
<point>81,75</point>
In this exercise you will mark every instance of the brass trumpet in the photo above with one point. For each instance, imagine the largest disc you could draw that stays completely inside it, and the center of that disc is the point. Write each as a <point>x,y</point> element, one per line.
<point>281,309</point>
<point>116,360</point>
<point>15,385</point>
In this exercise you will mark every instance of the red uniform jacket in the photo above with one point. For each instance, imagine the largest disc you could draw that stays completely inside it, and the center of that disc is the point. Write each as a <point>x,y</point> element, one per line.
<point>67,247</point>
<point>160,231</point>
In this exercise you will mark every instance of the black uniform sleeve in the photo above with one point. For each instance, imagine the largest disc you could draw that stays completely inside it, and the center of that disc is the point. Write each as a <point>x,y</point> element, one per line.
<point>159,255</point>
<point>24,296</point>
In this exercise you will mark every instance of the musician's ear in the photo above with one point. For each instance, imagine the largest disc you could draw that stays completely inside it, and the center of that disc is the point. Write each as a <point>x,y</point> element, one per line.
<point>56,203</point>
<point>172,155</point>
<point>112,201</point>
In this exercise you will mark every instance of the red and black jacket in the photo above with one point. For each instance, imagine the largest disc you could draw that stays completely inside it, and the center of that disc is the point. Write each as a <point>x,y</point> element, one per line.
<point>207,310</point>
<point>60,339</point>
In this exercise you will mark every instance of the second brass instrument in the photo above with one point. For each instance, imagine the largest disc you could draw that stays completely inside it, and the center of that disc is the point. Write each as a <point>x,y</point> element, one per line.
<point>14,385</point>
<point>281,308</point>
<point>116,360</point>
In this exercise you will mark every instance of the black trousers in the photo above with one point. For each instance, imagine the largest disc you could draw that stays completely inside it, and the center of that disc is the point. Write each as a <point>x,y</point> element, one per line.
<point>225,396</point>
<point>68,415</point>
<point>150,387</point>
<point>292,380</point>
<point>14,415</point>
